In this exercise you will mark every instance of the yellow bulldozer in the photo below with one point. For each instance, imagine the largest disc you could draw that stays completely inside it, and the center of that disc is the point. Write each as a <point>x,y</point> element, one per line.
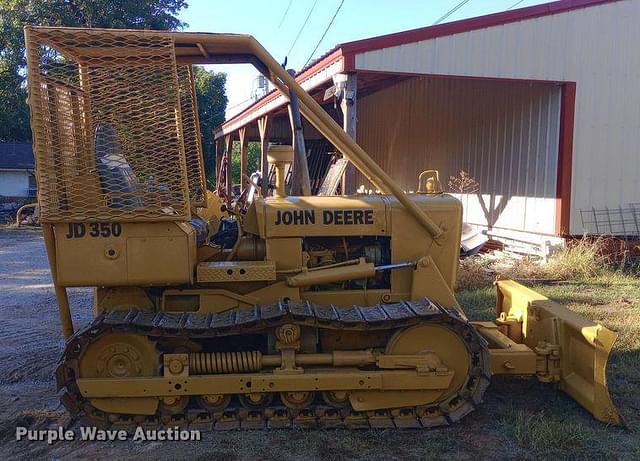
<point>270,310</point>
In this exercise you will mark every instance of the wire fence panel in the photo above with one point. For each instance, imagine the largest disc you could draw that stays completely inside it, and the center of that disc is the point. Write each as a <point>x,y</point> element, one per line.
<point>621,221</point>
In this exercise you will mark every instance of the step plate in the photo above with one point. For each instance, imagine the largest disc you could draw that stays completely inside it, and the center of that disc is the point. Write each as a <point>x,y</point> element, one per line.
<point>236,271</point>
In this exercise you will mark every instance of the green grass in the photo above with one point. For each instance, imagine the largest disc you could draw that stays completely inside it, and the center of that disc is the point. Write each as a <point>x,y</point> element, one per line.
<point>549,435</point>
<point>480,303</point>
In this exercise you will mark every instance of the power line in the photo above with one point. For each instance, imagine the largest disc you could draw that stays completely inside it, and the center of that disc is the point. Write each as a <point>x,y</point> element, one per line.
<point>451,11</point>
<point>285,14</point>
<point>324,34</point>
<point>302,28</point>
<point>515,4</point>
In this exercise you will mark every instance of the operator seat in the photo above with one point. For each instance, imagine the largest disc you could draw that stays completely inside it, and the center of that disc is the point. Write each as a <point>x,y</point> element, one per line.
<point>119,181</point>
<point>117,178</point>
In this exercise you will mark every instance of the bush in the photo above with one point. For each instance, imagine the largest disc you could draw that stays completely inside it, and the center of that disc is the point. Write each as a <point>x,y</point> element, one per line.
<point>580,259</point>
<point>584,258</point>
<point>473,274</point>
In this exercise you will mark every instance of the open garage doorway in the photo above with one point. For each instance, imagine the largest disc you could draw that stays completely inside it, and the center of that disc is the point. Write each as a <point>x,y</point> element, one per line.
<point>503,136</point>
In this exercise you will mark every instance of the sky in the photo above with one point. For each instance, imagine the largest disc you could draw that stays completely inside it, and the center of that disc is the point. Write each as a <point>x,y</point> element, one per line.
<point>277,23</point>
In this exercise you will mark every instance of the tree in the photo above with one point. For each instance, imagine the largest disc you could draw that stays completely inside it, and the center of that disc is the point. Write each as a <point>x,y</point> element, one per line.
<point>129,14</point>
<point>14,112</point>
<point>253,160</point>
<point>14,14</point>
<point>212,104</point>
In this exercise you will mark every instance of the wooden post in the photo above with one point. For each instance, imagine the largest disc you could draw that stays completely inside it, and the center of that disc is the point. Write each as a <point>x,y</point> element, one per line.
<point>243,156</point>
<point>228,142</point>
<point>300,184</point>
<point>219,152</point>
<point>348,104</point>
<point>264,127</point>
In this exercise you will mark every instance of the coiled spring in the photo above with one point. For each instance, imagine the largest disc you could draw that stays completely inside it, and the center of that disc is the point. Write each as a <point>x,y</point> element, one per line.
<point>224,362</point>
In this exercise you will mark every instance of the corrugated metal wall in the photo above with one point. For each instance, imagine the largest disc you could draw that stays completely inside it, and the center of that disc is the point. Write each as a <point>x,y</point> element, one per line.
<point>504,134</point>
<point>597,47</point>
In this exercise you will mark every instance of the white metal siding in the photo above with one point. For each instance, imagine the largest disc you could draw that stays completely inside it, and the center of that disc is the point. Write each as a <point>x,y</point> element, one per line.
<point>504,134</point>
<point>597,47</point>
<point>14,183</point>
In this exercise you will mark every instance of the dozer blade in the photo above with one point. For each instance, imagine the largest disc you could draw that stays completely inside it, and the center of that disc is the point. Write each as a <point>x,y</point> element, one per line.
<point>572,350</point>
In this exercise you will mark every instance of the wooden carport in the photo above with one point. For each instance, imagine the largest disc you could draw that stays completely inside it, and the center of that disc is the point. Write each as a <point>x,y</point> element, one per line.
<point>268,120</point>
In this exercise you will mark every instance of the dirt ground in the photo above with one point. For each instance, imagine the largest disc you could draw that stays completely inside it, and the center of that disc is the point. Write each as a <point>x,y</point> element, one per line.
<point>520,418</point>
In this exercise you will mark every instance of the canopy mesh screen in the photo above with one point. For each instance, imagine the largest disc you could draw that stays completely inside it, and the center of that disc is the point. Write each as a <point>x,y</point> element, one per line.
<point>115,130</point>
<point>191,131</point>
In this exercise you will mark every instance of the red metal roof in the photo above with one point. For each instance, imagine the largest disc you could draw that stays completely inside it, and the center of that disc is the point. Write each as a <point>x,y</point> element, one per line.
<point>347,51</point>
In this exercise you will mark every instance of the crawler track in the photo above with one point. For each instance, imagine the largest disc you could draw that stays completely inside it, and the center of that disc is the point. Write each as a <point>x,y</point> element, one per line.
<point>263,317</point>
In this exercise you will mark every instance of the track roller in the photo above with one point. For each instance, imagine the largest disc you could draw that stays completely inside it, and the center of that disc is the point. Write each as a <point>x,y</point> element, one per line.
<point>213,402</point>
<point>174,405</point>
<point>336,399</point>
<point>256,400</point>
<point>297,400</point>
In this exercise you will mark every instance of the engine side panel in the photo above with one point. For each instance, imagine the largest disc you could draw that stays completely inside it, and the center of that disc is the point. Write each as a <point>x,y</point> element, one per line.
<point>116,254</point>
<point>322,216</point>
<point>369,215</point>
<point>409,242</point>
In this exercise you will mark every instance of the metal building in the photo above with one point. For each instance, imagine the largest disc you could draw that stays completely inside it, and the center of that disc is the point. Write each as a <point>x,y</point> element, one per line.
<point>541,106</point>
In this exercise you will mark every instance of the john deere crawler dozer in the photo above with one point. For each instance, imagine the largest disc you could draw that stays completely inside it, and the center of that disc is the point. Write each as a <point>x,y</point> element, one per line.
<point>279,311</point>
